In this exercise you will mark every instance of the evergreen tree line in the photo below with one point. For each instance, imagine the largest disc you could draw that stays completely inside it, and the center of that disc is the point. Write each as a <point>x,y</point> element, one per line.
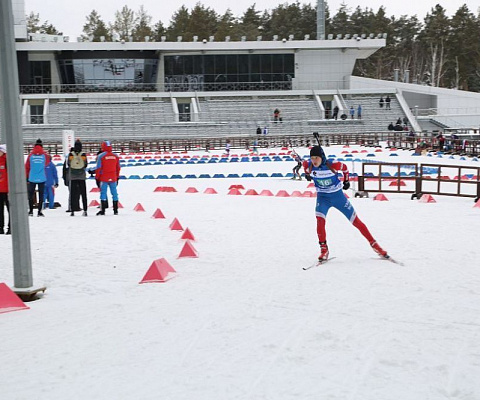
<point>439,51</point>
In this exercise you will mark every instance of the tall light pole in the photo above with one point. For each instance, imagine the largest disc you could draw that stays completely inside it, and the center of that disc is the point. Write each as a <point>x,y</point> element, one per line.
<point>320,19</point>
<point>12,131</point>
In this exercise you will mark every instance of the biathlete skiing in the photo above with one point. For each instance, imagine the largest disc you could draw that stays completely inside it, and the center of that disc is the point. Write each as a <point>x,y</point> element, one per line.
<point>296,168</point>
<point>324,174</point>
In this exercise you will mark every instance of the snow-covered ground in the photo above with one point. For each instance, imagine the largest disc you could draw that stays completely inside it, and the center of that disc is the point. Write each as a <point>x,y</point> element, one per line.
<point>243,320</point>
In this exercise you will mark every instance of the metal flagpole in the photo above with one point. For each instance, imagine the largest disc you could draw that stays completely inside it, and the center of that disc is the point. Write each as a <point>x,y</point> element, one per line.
<point>11,130</point>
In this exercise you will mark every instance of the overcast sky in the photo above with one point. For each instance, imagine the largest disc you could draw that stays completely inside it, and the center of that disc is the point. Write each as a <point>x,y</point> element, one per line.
<point>69,16</point>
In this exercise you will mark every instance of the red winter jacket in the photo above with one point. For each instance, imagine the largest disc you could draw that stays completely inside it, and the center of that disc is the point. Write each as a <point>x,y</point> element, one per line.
<point>108,167</point>
<point>3,174</point>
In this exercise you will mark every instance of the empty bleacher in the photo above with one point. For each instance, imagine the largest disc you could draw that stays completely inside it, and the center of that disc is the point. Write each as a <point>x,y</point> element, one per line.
<point>88,113</point>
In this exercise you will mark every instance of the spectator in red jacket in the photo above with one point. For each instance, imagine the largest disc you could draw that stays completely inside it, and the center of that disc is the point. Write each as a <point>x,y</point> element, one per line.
<point>4,190</point>
<point>107,173</point>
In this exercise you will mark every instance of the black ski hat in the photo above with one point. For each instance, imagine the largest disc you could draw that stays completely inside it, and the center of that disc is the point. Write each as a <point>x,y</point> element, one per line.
<point>317,151</point>
<point>78,146</point>
<point>39,142</point>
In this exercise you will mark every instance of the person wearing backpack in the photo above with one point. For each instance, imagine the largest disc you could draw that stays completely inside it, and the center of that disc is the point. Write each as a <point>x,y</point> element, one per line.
<point>77,164</point>
<point>108,173</point>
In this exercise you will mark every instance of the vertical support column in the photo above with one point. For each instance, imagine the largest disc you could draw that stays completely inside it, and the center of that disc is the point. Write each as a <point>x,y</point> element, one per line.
<point>11,125</point>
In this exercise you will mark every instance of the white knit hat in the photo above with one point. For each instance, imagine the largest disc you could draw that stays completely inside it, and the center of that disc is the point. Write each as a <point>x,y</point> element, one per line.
<point>3,148</point>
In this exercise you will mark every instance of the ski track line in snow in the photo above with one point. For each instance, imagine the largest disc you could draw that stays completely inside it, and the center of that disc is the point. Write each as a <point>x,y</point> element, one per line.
<point>359,376</point>
<point>193,342</point>
<point>274,359</point>
<point>453,370</point>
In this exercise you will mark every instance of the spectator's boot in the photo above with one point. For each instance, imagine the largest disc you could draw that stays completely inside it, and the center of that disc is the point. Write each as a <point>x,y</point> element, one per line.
<point>103,206</point>
<point>115,207</point>
<point>40,207</point>
<point>324,253</point>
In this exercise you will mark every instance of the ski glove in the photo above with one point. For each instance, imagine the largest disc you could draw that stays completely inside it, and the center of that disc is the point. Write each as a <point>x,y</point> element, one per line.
<point>308,177</point>
<point>346,185</point>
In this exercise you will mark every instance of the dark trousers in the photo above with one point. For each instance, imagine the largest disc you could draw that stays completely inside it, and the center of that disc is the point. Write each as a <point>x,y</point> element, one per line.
<point>4,202</point>
<point>31,194</point>
<point>78,188</point>
<point>296,169</point>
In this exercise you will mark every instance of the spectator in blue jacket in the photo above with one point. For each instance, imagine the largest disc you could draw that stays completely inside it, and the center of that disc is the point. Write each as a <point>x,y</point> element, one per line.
<point>50,185</point>
<point>35,171</point>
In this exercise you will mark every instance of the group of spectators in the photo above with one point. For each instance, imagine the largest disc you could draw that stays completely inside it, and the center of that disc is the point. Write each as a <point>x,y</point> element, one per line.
<point>336,110</point>
<point>400,125</point>
<point>42,178</point>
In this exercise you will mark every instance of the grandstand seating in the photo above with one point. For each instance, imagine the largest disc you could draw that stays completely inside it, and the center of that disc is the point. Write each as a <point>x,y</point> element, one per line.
<point>258,111</point>
<point>232,116</point>
<point>127,113</point>
<point>376,118</point>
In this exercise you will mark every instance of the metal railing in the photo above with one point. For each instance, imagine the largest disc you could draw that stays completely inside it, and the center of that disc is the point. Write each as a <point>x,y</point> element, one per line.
<point>465,182</point>
<point>215,142</point>
<point>469,147</point>
<point>157,87</point>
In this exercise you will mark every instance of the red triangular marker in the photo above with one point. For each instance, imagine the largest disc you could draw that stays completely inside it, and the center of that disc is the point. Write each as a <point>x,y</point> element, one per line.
<point>380,197</point>
<point>210,191</point>
<point>266,192</point>
<point>427,198</point>
<point>188,251</point>
<point>158,214</point>
<point>9,301</point>
<point>159,271</point>
<point>175,225</point>
<point>94,203</point>
<point>138,208</point>
<point>188,235</point>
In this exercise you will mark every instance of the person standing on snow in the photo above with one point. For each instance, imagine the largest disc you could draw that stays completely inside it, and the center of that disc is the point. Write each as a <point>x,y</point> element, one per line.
<point>297,167</point>
<point>4,190</point>
<point>50,185</point>
<point>35,171</point>
<point>108,173</point>
<point>329,194</point>
<point>77,165</point>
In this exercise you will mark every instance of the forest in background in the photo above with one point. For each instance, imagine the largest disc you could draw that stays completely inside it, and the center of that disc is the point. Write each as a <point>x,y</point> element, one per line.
<point>440,50</point>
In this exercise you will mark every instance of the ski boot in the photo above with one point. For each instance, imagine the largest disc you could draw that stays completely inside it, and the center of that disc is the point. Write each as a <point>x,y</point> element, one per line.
<point>324,253</point>
<point>377,249</point>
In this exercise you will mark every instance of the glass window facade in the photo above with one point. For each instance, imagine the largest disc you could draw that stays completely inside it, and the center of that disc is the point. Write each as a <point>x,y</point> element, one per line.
<point>229,72</point>
<point>115,74</point>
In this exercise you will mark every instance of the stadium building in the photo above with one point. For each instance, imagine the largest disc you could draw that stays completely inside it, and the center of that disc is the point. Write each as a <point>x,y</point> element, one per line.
<point>217,87</point>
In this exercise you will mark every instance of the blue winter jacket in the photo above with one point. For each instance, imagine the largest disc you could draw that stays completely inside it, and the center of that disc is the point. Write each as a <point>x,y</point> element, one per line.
<point>52,175</point>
